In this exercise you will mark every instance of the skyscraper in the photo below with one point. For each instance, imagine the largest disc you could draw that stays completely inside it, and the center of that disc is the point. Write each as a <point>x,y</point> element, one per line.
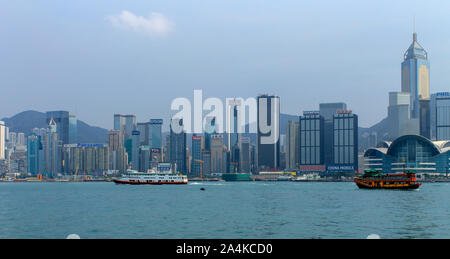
<point>73,129</point>
<point>197,147</point>
<point>135,143</point>
<point>86,158</point>
<point>210,129</point>
<point>52,147</point>
<point>217,149</point>
<point>21,139</point>
<point>327,111</point>
<point>233,135</point>
<point>245,155</point>
<point>61,118</point>
<point>268,119</point>
<point>117,154</point>
<point>311,140</point>
<point>156,133</point>
<point>178,149</point>
<point>144,130</point>
<point>416,75</point>
<point>440,116</point>
<point>345,147</point>
<point>33,149</point>
<point>125,123</point>
<point>292,132</point>
<point>2,140</point>
<point>399,117</point>
<point>328,140</point>
<point>12,140</point>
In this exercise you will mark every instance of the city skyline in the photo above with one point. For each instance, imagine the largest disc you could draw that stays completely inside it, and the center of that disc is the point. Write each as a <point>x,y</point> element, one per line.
<point>72,65</point>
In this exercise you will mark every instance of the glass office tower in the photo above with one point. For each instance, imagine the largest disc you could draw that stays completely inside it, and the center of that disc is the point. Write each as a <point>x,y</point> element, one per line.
<point>61,118</point>
<point>416,75</point>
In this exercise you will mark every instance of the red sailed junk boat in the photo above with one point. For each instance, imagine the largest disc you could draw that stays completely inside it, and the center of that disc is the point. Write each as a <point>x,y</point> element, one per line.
<point>377,180</point>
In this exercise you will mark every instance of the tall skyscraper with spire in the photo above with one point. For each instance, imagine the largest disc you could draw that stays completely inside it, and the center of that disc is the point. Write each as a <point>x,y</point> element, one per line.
<point>52,147</point>
<point>416,76</point>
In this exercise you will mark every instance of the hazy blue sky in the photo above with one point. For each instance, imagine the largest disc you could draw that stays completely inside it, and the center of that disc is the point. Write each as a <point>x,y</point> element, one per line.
<point>94,59</point>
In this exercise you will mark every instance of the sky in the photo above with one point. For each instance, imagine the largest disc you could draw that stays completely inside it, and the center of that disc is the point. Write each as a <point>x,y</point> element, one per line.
<point>97,58</point>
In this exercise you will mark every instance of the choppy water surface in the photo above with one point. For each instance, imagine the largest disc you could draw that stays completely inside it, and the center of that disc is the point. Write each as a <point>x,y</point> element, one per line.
<point>223,210</point>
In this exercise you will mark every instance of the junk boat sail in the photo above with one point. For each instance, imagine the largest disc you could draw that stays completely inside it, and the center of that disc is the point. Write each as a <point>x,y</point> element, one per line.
<point>373,179</point>
<point>162,174</point>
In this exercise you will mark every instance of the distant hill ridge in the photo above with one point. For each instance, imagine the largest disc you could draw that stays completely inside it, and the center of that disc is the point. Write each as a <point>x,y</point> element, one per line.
<point>28,120</point>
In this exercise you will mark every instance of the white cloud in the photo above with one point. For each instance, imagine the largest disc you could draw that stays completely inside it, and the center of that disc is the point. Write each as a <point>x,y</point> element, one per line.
<point>155,24</point>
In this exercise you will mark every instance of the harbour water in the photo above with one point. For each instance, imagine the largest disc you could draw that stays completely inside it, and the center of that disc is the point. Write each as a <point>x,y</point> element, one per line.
<point>222,210</point>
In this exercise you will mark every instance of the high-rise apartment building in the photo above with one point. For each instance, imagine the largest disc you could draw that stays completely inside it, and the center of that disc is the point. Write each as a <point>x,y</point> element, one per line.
<point>21,139</point>
<point>86,159</point>
<point>118,156</point>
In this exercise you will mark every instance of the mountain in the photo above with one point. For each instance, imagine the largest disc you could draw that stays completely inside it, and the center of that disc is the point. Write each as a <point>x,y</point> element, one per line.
<point>28,120</point>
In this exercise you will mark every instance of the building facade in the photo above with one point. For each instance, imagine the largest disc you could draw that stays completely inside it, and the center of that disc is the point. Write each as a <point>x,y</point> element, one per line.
<point>311,139</point>
<point>73,129</point>
<point>156,133</point>
<point>86,159</point>
<point>399,117</point>
<point>328,141</point>
<point>440,116</point>
<point>144,130</point>
<point>345,147</point>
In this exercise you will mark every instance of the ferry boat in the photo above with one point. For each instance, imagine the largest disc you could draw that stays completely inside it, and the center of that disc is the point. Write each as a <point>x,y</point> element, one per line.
<point>373,179</point>
<point>162,174</point>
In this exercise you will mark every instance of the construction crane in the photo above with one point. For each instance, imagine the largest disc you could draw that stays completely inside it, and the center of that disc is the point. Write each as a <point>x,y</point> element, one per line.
<point>75,175</point>
<point>201,167</point>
